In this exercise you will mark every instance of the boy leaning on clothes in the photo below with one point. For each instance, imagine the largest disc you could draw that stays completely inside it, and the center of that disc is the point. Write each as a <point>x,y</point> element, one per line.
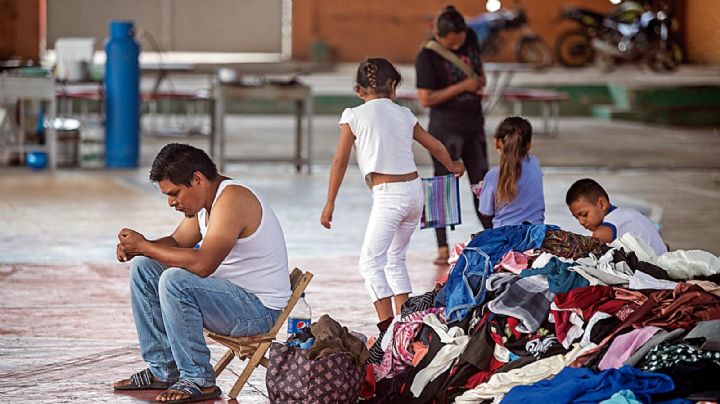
<point>590,204</point>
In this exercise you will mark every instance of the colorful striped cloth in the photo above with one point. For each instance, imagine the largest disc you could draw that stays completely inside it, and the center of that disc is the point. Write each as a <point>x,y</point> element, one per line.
<point>442,202</point>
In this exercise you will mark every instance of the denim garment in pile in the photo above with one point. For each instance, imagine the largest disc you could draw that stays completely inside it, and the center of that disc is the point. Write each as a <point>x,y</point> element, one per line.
<point>465,288</point>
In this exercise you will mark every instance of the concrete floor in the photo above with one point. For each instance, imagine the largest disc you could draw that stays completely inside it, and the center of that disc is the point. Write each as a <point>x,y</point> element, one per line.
<point>66,330</point>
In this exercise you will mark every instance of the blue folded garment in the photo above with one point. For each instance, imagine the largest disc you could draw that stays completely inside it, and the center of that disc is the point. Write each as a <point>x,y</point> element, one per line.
<point>580,385</point>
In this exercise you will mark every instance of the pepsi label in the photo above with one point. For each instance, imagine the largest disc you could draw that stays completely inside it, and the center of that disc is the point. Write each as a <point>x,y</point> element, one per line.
<point>296,325</point>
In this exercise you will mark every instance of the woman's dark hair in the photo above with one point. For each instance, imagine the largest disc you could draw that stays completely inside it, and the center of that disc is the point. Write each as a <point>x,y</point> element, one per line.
<point>449,20</point>
<point>515,133</point>
<point>378,76</point>
<point>586,188</point>
<point>178,162</point>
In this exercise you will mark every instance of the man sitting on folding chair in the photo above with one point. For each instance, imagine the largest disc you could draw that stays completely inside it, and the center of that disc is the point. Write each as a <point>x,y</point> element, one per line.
<point>224,268</point>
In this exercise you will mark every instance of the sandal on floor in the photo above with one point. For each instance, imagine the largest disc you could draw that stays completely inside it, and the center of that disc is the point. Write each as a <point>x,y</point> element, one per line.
<point>443,256</point>
<point>193,390</point>
<point>144,380</point>
<point>441,260</point>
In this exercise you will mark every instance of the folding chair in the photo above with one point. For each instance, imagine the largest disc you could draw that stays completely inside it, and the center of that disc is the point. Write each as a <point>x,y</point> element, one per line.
<point>254,347</point>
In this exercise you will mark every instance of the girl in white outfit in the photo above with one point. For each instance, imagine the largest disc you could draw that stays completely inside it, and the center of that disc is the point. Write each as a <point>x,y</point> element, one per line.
<point>383,133</point>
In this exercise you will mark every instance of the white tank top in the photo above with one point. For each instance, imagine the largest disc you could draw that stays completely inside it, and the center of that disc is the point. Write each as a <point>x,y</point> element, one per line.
<point>257,263</point>
<point>383,136</point>
<point>627,220</point>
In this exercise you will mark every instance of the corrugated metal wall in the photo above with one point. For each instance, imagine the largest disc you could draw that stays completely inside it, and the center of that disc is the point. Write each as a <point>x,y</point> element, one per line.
<point>177,25</point>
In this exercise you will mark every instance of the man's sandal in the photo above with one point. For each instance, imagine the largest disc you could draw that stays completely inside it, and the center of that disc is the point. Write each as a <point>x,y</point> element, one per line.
<point>144,380</point>
<point>193,390</point>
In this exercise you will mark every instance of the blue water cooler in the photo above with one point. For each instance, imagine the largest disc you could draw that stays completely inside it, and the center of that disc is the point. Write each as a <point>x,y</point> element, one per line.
<point>122,97</point>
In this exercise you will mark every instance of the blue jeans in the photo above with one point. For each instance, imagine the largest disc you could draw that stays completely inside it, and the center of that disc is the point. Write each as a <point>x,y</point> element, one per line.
<point>171,306</point>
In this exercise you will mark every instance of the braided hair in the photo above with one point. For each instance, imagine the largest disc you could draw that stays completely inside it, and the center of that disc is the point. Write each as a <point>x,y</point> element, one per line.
<point>378,76</point>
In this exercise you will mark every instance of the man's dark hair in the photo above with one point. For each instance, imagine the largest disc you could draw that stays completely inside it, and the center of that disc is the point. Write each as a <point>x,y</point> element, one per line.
<point>178,162</point>
<point>450,20</point>
<point>585,188</point>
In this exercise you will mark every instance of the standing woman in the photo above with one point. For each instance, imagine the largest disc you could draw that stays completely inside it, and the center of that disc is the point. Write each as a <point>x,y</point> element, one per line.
<point>450,79</point>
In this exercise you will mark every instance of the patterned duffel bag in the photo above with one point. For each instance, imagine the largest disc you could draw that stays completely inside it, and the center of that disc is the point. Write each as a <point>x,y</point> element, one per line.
<point>293,378</point>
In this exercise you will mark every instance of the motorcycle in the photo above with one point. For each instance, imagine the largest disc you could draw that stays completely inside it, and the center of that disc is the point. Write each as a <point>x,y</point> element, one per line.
<point>631,33</point>
<point>573,47</point>
<point>529,48</point>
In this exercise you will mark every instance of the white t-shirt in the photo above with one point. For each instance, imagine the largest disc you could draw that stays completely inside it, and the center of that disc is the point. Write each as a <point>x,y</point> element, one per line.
<point>257,263</point>
<point>627,220</point>
<point>383,136</point>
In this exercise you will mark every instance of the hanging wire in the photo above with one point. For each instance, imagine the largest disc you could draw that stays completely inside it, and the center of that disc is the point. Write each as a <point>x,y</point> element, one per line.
<point>188,125</point>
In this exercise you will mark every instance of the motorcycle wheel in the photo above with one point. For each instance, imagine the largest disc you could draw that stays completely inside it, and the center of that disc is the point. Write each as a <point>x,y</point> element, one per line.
<point>535,51</point>
<point>664,61</point>
<point>573,48</point>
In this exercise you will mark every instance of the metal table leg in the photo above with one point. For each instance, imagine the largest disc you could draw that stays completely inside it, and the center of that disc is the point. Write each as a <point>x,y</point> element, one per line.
<point>219,129</point>
<point>298,135</point>
<point>309,111</point>
<point>51,136</point>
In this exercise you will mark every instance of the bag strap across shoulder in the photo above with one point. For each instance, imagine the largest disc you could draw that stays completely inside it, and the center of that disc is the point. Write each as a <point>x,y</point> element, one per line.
<point>450,56</point>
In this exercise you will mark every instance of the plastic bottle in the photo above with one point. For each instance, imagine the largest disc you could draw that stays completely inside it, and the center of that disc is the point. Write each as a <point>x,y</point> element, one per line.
<point>300,316</point>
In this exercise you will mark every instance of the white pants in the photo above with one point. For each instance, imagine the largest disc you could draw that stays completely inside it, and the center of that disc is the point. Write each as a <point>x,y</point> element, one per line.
<point>395,214</point>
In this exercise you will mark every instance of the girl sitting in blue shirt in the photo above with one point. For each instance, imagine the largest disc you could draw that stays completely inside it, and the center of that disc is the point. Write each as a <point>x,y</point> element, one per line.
<point>512,194</point>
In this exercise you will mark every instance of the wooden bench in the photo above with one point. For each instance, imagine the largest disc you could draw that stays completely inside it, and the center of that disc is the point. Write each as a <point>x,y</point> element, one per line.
<point>549,100</point>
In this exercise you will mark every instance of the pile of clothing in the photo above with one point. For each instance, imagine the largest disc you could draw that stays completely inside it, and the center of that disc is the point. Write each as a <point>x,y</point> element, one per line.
<point>535,312</point>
